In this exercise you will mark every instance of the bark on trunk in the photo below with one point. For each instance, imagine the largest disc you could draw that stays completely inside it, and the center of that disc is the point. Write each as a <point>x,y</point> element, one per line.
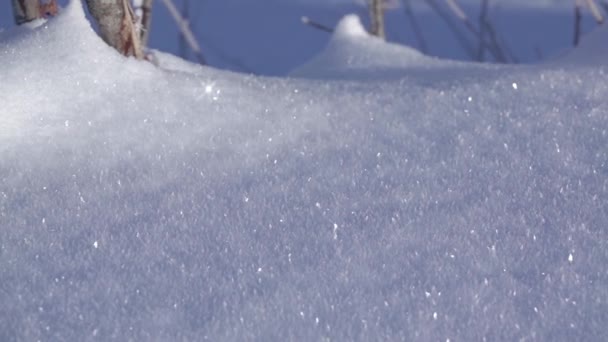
<point>376,9</point>
<point>26,10</point>
<point>117,25</point>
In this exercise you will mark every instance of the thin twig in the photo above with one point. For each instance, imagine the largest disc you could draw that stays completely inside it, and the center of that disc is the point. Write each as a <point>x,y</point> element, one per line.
<point>500,51</point>
<point>577,23</point>
<point>407,6</point>
<point>483,13</point>
<point>231,61</point>
<point>460,37</point>
<point>501,45</point>
<point>184,27</point>
<point>493,47</point>
<point>307,21</point>
<point>457,10</point>
<point>183,46</point>
<point>595,11</point>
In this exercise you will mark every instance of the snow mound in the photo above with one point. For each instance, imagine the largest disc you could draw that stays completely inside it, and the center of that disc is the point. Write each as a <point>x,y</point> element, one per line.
<point>183,203</point>
<point>350,27</point>
<point>354,53</point>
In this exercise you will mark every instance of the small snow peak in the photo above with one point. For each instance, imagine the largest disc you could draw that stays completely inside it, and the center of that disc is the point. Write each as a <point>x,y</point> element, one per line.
<point>352,52</point>
<point>350,26</point>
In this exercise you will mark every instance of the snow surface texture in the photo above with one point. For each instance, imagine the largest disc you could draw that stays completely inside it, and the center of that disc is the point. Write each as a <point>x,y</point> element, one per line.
<point>450,201</point>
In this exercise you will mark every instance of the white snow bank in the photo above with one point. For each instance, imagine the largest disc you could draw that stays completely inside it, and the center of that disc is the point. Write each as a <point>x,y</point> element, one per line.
<point>350,26</point>
<point>184,203</point>
<point>352,51</point>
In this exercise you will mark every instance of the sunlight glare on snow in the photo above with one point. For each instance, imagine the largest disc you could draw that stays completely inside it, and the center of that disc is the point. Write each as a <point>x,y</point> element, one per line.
<point>211,90</point>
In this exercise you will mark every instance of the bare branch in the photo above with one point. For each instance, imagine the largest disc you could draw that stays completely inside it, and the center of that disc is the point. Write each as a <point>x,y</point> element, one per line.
<point>307,21</point>
<point>493,46</point>
<point>577,23</point>
<point>184,27</point>
<point>407,6</point>
<point>182,44</point>
<point>500,51</point>
<point>460,37</point>
<point>459,12</point>
<point>483,13</point>
<point>595,11</point>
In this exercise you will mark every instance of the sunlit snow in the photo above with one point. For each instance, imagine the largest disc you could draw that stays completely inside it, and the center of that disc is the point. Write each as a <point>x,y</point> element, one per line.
<point>401,197</point>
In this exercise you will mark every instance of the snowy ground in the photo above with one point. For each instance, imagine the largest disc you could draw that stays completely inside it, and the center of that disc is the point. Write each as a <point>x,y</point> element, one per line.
<point>397,198</point>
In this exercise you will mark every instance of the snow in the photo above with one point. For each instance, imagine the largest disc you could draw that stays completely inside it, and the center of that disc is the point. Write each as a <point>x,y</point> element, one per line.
<point>267,37</point>
<point>398,198</point>
<point>352,52</point>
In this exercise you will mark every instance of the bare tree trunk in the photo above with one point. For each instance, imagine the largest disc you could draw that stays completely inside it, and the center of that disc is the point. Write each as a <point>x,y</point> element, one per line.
<point>117,25</point>
<point>26,10</point>
<point>376,10</point>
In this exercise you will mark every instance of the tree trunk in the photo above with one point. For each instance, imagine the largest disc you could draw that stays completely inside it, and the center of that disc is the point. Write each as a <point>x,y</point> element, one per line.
<point>26,10</point>
<point>376,10</point>
<point>117,25</point>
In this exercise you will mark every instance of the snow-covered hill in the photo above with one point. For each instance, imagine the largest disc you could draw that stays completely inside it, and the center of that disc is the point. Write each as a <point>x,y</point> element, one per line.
<point>392,198</point>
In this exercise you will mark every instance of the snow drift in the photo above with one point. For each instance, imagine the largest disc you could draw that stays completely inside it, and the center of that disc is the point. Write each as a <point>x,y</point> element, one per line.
<point>432,202</point>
